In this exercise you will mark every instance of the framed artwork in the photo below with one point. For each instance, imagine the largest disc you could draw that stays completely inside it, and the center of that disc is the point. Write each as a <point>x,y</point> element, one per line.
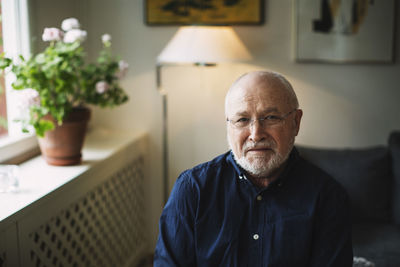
<point>204,12</point>
<point>345,31</point>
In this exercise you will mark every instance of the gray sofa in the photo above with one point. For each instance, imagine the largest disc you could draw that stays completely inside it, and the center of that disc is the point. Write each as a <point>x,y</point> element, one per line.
<point>371,177</point>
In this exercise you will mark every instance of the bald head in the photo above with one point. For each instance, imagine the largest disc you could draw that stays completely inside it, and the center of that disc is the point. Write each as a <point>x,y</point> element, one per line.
<point>271,84</point>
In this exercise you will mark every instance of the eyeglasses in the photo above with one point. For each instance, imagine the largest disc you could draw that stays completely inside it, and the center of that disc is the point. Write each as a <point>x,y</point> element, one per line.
<point>265,122</point>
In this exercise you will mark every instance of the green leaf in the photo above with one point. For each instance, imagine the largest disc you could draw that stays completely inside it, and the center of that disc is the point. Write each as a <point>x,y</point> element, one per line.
<point>4,62</point>
<point>19,84</point>
<point>40,58</point>
<point>42,126</point>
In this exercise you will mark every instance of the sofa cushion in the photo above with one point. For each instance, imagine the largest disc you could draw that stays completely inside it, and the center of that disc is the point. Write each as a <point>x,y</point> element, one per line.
<point>364,173</point>
<point>394,146</point>
<point>377,242</point>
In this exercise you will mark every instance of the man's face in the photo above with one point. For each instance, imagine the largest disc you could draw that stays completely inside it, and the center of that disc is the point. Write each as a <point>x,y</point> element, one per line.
<point>259,149</point>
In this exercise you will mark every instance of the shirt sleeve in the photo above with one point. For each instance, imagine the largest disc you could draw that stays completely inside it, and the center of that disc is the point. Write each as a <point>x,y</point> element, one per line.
<point>175,245</point>
<point>332,242</point>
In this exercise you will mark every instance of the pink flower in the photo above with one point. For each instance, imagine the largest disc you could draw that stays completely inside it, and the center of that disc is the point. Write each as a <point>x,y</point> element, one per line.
<point>102,87</point>
<point>123,69</point>
<point>52,34</point>
<point>27,98</point>
<point>75,35</point>
<point>69,24</point>
<point>106,38</point>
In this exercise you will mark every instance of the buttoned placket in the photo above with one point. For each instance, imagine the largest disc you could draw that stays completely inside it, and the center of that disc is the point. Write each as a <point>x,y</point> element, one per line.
<point>260,205</point>
<point>257,227</point>
<point>263,232</point>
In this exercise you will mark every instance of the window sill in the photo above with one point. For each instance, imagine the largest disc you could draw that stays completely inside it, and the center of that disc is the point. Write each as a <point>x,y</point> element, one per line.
<point>37,179</point>
<point>14,150</point>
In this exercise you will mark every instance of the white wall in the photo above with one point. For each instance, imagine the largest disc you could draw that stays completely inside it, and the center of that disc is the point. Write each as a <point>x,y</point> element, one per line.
<point>353,105</point>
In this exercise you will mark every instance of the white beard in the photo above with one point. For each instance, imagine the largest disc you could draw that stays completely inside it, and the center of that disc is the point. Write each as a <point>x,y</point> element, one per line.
<point>261,167</point>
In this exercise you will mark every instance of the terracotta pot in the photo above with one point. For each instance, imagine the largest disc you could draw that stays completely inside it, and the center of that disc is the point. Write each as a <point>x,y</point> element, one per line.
<point>63,145</point>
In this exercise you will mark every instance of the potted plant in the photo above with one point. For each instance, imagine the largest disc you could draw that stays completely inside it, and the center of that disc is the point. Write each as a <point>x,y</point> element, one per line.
<point>61,87</point>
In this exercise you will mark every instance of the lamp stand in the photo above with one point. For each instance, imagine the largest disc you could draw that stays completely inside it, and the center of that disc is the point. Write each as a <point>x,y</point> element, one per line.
<point>163,93</point>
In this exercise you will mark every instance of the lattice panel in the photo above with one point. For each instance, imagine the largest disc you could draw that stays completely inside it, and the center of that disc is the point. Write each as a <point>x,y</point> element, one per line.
<point>103,228</point>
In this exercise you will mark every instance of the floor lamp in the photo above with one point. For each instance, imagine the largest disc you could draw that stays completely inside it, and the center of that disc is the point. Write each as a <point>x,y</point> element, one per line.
<point>201,46</point>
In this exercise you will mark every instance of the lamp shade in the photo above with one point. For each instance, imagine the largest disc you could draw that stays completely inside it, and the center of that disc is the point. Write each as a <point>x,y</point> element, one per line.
<point>204,45</point>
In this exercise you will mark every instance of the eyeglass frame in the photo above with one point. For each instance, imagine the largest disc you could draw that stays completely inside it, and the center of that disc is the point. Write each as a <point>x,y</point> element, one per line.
<point>264,125</point>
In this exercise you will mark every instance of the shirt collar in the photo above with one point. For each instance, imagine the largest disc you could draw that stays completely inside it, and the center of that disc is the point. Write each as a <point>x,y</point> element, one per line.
<point>232,160</point>
<point>293,157</point>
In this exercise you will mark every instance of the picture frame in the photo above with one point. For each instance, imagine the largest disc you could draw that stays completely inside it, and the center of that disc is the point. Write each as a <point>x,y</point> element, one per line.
<point>204,12</point>
<point>342,32</point>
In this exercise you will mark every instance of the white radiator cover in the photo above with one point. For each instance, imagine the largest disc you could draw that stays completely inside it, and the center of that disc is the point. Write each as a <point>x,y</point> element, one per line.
<point>96,219</point>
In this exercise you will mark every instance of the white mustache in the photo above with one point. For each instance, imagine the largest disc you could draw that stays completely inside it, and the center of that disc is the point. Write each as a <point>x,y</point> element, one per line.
<point>250,145</point>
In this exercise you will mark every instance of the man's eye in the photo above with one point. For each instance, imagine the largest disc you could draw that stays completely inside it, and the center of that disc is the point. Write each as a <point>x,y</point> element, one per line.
<point>242,120</point>
<point>272,118</point>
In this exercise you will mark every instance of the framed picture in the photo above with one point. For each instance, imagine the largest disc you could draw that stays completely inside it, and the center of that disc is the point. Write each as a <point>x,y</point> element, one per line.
<point>345,31</point>
<point>204,12</point>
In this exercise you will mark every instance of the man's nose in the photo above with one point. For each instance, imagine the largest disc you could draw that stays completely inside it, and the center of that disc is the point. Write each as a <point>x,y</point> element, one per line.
<point>257,132</point>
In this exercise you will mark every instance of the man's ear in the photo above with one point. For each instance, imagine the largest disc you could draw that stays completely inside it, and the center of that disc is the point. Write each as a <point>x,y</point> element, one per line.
<point>297,120</point>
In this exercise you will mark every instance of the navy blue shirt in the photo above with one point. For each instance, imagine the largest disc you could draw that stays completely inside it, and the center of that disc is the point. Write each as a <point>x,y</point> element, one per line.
<point>217,217</point>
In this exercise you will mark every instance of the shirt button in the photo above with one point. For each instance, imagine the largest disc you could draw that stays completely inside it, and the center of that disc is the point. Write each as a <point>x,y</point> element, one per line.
<point>259,197</point>
<point>256,236</point>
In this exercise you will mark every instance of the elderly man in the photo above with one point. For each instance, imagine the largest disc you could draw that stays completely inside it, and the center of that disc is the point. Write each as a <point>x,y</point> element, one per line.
<point>260,204</point>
